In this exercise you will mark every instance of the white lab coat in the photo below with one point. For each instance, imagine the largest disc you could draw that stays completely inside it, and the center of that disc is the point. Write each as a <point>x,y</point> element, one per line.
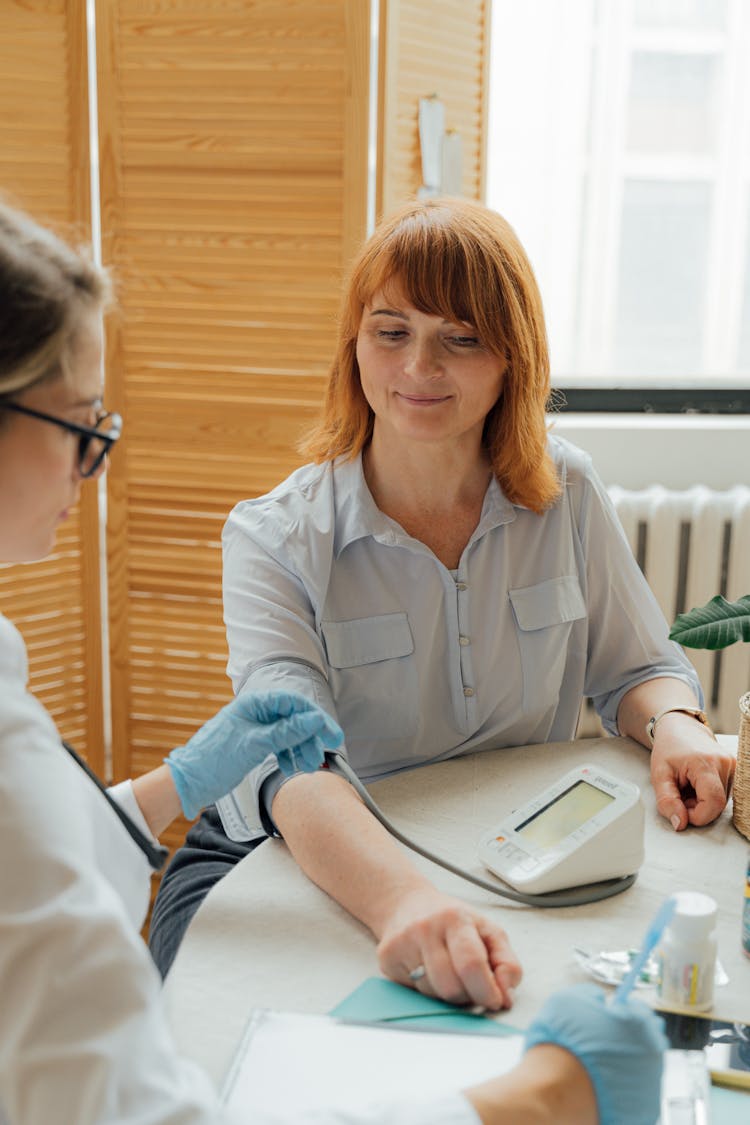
<point>83,1036</point>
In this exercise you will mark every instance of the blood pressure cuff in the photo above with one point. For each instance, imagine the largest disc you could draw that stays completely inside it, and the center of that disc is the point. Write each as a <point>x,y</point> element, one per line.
<point>271,786</point>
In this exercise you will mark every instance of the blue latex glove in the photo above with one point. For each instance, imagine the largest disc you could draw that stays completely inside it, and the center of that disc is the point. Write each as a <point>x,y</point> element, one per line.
<point>241,736</point>
<point>620,1046</point>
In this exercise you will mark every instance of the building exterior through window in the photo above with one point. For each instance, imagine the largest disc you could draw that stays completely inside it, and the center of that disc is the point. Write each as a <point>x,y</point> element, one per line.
<point>619,148</point>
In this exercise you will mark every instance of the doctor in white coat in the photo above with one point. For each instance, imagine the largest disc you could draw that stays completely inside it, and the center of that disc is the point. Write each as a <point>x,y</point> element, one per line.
<point>83,1036</point>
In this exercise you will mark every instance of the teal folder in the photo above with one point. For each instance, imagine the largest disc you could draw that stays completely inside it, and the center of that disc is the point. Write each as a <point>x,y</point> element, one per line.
<point>382,1001</point>
<point>729,1107</point>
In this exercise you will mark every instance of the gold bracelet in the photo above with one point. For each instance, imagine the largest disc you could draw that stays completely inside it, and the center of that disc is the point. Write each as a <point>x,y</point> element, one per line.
<point>694,711</point>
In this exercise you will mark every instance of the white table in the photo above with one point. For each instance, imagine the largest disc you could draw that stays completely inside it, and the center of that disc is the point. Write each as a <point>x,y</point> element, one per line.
<point>267,937</point>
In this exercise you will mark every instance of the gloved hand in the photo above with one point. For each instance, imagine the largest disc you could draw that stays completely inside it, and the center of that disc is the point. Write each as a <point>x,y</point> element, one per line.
<point>620,1045</point>
<point>241,736</point>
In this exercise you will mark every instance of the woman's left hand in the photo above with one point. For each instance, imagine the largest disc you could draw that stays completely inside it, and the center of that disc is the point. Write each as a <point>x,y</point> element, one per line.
<point>466,958</point>
<point>691,774</point>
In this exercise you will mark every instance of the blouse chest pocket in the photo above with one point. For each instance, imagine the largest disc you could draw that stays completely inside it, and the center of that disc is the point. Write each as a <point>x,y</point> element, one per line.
<point>544,616</point>
<point>373,675</point>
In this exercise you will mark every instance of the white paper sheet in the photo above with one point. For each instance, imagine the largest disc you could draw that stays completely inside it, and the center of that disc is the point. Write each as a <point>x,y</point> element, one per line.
<point>287,1063</point>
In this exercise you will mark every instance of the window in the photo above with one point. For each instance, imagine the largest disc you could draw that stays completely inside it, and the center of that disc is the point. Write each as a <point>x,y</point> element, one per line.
<point>619,148</point>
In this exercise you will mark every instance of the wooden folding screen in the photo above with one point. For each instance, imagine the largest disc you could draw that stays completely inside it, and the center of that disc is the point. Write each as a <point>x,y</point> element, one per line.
<point>233,158</point>
<point>44,168</point>
<point>431,47</point>
<point>233,152</point>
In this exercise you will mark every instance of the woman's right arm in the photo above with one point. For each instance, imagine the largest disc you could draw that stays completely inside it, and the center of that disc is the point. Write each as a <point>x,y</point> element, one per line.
<point>345,851</point>
<point>270,614</point>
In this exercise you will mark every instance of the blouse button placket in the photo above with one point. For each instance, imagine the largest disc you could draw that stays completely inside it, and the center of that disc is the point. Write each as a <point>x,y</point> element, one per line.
<point>464,641</point>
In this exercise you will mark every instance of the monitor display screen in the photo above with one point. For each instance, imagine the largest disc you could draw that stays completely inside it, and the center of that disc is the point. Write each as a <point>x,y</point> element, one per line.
<point>564,814</point>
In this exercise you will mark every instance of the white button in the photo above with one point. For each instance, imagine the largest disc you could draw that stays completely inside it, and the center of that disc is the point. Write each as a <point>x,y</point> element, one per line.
<point>463,641</point>
<point>461,586</point>
<point>468,691</point>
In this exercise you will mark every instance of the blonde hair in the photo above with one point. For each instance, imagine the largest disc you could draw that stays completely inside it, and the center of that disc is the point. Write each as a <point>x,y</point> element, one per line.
<point>46,289</point>
<point>459,260</point>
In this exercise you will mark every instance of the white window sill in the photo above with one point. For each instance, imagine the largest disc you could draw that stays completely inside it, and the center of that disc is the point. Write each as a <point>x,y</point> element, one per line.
<point>675,450</point>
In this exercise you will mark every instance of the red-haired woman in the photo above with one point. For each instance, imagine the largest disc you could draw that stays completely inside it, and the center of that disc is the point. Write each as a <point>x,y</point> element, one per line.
<point>446,577</point>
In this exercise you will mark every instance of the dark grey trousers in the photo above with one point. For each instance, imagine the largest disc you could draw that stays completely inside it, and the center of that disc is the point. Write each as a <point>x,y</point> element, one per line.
<point>205,857</point>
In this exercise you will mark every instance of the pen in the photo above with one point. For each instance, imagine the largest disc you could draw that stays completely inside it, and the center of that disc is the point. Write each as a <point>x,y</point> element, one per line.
<point>652,935</point>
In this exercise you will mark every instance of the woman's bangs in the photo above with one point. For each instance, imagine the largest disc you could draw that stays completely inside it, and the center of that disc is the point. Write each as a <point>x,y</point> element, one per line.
<point>434,282</point>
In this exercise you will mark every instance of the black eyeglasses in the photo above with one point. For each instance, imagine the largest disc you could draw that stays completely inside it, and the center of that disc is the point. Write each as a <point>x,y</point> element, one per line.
<point>94,442</point>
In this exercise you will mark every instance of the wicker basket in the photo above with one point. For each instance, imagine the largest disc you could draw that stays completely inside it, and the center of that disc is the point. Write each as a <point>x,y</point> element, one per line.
<point>741,809</point>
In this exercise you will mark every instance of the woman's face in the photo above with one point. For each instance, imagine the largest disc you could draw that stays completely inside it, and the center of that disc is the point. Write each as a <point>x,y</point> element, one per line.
<point>425,378</point>
<point>39,478</point>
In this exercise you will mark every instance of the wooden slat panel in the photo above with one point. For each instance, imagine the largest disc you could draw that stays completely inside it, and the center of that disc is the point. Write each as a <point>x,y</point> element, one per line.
<point>44,168</point>
<point>233,138</point>
<point>431,47</point>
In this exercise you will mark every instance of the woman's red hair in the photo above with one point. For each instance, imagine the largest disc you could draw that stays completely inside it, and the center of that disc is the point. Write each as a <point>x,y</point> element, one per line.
<point>461,261</point>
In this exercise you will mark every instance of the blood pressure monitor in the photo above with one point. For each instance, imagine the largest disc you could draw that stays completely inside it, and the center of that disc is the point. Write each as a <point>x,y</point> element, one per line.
<point>586,827</point>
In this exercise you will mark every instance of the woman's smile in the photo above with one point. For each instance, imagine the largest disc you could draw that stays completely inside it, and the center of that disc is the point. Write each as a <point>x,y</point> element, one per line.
<point>423,400</point>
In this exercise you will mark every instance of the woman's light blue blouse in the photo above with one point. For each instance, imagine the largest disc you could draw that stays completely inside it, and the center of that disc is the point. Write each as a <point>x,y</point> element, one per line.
<point>326,595</point>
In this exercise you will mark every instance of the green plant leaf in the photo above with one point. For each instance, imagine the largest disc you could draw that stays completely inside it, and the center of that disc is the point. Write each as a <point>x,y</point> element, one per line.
<point>716,624</point>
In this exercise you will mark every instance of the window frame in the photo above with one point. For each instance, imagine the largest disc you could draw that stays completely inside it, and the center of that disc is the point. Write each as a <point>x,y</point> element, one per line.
<point>596,398</point>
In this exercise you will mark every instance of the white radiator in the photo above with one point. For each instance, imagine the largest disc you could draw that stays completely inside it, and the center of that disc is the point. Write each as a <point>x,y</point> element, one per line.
<point>691,545</point>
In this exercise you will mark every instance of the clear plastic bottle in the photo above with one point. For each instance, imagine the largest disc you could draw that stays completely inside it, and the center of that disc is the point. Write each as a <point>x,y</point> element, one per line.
<point>687,954</point>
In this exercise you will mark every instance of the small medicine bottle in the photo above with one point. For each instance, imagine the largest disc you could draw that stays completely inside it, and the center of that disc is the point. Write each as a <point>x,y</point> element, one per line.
<point>746,914</point>
<point>687,955</point>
